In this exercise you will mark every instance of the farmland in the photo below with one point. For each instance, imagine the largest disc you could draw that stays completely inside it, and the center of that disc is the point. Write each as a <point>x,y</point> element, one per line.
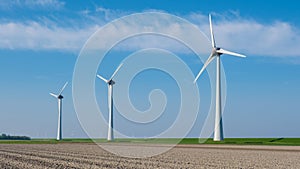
<point>89,155</point>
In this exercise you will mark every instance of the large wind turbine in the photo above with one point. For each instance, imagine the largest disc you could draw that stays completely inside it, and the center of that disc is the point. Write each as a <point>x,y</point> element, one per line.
<point>59,98</point>
<point>216,53</point>
<point>110,83</point>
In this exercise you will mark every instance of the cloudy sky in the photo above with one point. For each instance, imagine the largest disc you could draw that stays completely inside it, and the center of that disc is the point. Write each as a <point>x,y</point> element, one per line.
<point>41,40</point>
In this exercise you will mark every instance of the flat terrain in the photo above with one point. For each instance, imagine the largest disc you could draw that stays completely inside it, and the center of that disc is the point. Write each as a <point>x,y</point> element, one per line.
<point>89,155</point>
<point>230,141</point>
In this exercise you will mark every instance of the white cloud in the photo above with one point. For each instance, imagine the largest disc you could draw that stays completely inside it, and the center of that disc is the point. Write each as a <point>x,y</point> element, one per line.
<point>34,36</point>
<point>277,39</point>
<point>45,3</point>
<point>32,4</point>
<point>101,15</point>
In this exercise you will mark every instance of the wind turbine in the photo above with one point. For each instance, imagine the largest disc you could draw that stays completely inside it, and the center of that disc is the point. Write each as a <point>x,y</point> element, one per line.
<point>110,83</point>
<point>216,53</point>
<point>59,98</point>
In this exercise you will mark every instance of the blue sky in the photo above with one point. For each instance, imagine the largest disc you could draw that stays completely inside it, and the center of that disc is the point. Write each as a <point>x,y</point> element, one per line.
<point>41,40</point>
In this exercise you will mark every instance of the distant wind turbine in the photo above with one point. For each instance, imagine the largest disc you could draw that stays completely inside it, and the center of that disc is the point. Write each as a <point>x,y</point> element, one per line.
<point>216,53</point>
<point>59,98</point>
<point>110,83</point>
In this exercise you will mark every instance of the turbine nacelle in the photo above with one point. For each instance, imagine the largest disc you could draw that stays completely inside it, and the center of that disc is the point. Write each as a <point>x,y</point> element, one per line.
<point>59,95</point>
<point>111,82</point>
<point>215,51</point>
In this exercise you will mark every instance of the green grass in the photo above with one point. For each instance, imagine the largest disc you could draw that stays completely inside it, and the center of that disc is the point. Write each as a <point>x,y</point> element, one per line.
<point>230,141</point>
<point>248,141</point>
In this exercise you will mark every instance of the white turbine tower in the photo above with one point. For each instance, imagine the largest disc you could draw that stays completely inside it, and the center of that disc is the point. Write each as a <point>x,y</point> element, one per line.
<point>216,53</point>
<point>110,83</point>
<point>59,98</point>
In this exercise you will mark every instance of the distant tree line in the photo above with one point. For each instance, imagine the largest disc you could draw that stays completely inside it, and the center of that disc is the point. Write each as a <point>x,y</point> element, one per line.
<point>8,137</point>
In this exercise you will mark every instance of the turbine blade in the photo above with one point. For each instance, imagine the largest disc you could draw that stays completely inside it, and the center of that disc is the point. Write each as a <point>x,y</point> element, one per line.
<point>210,58</point>
<point>112,76</point>
<point>223,51</point>
<point>54,95</point>
<point>213,42</point>
<point>102,78</point>
<point>63,88</point>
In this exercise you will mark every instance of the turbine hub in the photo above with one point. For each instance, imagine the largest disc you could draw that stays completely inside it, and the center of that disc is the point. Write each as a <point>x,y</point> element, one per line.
<point>111,82</point>
<point>60,97</point>
<point>215,51</point>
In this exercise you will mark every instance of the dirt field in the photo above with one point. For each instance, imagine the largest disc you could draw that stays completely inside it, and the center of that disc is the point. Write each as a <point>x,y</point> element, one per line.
<point>183,156</point>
